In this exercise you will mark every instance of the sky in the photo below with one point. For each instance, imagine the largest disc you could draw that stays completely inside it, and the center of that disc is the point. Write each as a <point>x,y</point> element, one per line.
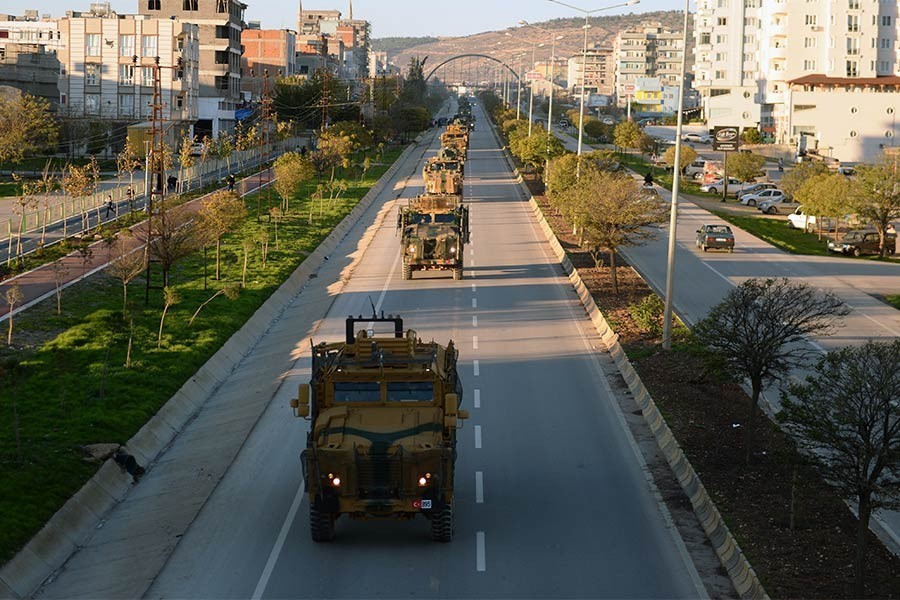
<point>412,18</point>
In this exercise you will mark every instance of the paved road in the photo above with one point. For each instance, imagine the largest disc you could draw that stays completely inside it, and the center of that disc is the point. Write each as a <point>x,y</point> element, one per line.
<point>551,497</point>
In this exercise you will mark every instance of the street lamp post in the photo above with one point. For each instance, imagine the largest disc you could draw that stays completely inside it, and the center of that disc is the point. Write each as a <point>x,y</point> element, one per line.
<point>587,14</point>
<point>676,180</point>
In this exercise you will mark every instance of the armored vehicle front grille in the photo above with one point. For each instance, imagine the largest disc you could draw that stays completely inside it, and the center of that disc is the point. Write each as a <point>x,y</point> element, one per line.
<point>378,476</point>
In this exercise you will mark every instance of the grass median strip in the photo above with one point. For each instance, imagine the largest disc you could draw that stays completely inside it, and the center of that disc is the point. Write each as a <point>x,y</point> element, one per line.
<point>778,233</point>
<point>64,384</point>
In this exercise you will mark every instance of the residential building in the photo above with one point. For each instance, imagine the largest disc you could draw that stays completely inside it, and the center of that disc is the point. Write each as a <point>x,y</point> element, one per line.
<point>32,69</point>
<point>648,51</point>
<point>558,67</point>
<point>108,65</point>
<point>599,74</point>
<point>271,51</point>
<point>29,29</point>
<point>356,36</point>
<point>849,45</point>
<point>317,22</point>
<point>220,23</point>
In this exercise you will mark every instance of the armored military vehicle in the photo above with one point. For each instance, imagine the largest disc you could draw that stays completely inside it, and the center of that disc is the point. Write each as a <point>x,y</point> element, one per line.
<point>456,137</point>
<point>383,411</point>
<point>443,175</point>
<point>434,231</point>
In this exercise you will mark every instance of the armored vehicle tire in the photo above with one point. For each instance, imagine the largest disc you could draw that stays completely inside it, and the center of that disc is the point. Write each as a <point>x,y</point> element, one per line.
<point>442,525</point>
<point>457,274</point>
<point>321,525</point>
<point>407,272</point>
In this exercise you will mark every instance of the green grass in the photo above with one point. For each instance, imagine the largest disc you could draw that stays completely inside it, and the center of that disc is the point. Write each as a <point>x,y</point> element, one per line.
<point>664,177</point>
<point>893,300</point>
<point>56,164</point>
<point>8,188</point>
<point>72,388</point>
<point>778,234</point>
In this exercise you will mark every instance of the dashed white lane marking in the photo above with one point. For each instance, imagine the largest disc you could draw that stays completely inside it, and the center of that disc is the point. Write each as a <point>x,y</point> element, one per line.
<point>480,564</point>
<point>471,251</point>
<point>472,261</point>
<point>279,543</point>
<point>474,302</point>
<point>474,320</point>
<point>477,402</point>
<point>475,366</point>
<point>478,436</point>
<point>479,487</point>
<point>473,288</point>
<point>474,342</point>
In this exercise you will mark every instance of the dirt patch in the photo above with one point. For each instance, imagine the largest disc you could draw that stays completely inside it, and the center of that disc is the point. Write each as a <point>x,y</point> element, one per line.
<point>797,533</point>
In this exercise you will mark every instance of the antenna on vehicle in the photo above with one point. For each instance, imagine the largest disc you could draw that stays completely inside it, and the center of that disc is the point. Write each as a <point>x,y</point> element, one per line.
<point>374,312</point>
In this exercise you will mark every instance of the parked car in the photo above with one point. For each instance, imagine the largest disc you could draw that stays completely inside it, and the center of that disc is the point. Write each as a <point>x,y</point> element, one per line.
<point>800,220</point>
<point>608,120</point>
<point>198,149</point>
<point>755,189</point>
<point>645,122</point>
<point>863,241</point>
<point>776,204</point>
<point>696,169</point>
<point>752,199</point>
<point>699,138</point>
<point>563,123</point>
<point>718,237</point>
<point>716,186</point>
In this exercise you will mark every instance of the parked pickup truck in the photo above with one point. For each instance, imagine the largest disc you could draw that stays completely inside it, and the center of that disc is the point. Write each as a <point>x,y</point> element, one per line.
<point>800,220</point>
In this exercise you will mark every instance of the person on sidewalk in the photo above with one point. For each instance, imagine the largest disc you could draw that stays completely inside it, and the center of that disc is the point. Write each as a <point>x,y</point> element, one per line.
<point>230,181</point>
<point>110,206</point>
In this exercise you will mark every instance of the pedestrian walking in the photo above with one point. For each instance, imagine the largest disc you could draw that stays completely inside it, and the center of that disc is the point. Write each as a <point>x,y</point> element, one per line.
<point>129,194</point>
<point>648,179</point>
<point>230,181</point>
<point>110,206</point>
<point>781,165</point>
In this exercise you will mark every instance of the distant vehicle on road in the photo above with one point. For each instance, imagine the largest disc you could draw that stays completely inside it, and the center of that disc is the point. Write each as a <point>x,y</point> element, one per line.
<point>699,138</point>
<point>765,195</point>
<point>715,237</point>
<point>563,123</point>
<point>718,185</point>
<point>607,120</point>
<point>754,189</point>
<point>645,122</point>
<point>863,241</point>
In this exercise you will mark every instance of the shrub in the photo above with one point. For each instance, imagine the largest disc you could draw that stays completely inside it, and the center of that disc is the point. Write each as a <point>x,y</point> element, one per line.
<point>648,313</point>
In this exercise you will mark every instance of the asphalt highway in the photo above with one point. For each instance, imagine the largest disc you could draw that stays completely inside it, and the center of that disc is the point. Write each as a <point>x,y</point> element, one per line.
<point>551,497</point>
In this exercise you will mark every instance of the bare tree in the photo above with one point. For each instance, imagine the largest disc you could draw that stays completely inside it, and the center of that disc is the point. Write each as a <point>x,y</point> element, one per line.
<point>760,331</point>
<point>219,214</point>
<point>78,182</point>
<point>171,297</point>
<point>276,213</point>
<point>185,159</point>
<point>172,237</point>
<point>127,261</point>
<point>60,270</point>
<point>26,201</point>
<point>231,291</point>
<point>848,415</point>
<point>14,297</point>
<point>262,238</point>
<point>247,245</point>
<point>128,161</point>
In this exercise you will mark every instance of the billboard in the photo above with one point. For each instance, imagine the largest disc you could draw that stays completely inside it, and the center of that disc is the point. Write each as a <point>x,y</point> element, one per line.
<point>726,138</point>
<point>534,75</point>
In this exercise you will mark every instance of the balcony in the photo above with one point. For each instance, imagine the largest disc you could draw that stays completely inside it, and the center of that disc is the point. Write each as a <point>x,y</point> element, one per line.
<point>778,28</point>
<point>778,52</point>
<point>779,7</point>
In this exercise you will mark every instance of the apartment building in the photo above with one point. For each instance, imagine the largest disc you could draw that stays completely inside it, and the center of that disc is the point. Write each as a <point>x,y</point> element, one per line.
<point>648,51</point>
<point>30,29</point>
<point>599,73</point>
<point>108,63</point>
<point>220,23</point>
<point>28,61</point>
<point>795,57</point>
<point>266,50</point>
<point>347,40</point>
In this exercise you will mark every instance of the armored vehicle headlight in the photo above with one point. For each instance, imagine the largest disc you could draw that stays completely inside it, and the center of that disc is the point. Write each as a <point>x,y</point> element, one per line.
<point>424,479</point>
<point>452,249</point>
<point>334,479</point>
<point>411,249</point>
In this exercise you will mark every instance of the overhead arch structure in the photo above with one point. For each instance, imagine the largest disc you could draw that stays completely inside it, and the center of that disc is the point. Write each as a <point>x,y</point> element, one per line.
<point>463,56</point>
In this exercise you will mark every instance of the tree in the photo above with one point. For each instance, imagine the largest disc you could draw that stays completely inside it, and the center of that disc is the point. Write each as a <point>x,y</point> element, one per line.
<point>126,262</point>
<point>172,237</point>
<point>751,135</point>
<point>627,134</point>
<point>331,151</point>
<point>247,245</point>
<point>744,166</point>
<point>185,158</point>
<point>79,182</point>
<point>171,297</point>
<point>60,270</point>
<point>14,297</point>
<point>359,136</point>
<point>613,212</point>
<point>219,214</point>
<point>225,148</point>
<point>25,201</point>
<point>536,150</point>
<point>27,127</point>
<point>760,332</point>
<point>847,414</point>
<point>795,177</point>
<point>291,171</point>
<point>231,291</point>
<point>688,155</point>
<point>876,196</point>
<point>825,195</point>
<point>128,161</point>
<point>598,130</point>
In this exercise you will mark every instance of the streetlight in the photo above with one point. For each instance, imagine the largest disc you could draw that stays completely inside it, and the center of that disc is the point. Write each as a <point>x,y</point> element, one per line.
<point>587,14</point>
<point>553,41</point>
<point>676,180</point>
<point>534,47</point>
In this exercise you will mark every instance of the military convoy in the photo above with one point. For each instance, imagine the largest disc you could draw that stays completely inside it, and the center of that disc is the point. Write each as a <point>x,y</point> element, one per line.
<point>383,411</point>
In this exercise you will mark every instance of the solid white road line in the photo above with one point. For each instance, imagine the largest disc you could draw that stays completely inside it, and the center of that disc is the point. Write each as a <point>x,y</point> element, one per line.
<point>475,367</point>
<point>474,342</point>
<point>480,565</point>
<point>477,402</point>
<point>279,543</point>
<point>474,320</point>
<point>474,302</point>
<point>478,436</point>
<point>479,487</point>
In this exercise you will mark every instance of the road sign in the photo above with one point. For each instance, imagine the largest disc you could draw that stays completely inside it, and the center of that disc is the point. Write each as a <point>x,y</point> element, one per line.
<point>628,88</point>
<point>726,138</point>
<point>534,76</point>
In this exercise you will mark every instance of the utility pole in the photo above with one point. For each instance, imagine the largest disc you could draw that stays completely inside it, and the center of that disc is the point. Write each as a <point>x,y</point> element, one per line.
<point>265,105</point>
<point>157,169</point>
<point>326,96</point>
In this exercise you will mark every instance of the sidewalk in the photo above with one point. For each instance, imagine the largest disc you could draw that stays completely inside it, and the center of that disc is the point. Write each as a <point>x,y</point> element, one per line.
<point>40,284</point>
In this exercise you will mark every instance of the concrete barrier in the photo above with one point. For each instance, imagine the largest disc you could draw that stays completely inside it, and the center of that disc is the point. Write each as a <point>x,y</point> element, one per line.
<point>73,524</point>
<point>742,575</point>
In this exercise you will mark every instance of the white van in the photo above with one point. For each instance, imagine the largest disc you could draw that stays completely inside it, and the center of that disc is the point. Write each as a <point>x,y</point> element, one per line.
<point>800,220</point>
<point>695,169</point>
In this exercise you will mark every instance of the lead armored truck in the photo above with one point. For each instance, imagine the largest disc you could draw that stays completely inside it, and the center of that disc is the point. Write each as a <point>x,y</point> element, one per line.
<point>434,232</point>
<point>384,412</point>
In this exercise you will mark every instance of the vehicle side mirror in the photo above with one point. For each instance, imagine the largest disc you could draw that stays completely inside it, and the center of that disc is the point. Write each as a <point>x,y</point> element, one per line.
<point>451,405</point>
<point>463,414</point>
<point>300,404</point>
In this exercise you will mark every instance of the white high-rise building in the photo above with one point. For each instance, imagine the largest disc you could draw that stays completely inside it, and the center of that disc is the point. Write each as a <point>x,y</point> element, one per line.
<point>649,50</point>
<point>789,66</point>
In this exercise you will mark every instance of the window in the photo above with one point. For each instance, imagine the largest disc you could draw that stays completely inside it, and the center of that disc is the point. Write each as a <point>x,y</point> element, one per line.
<point>811,19</point>
<point>148,45</point>
<point>221,6</point>
<point>852,46</point>
<point>883,66</point>
<point>885,21</point>
<point>126,105</point>
<point>853,133</point>
<point>126,74</point>
<point>153,4</point>
<point>189,5</point>
<point>852,68</point>
<point>92,44</point>
<point>126,45</point>
<point>853,4</point>
<point>410,391</point>
<point>720,75</point>
<point>720,56</point>
<point>885,43</point>
<point>809,65</point>
<point>147,76</point>
<point>853,23</point>
<point>92,104</point>
<point>809,42</point>
<point>91,74</point>
<point>722,21</point>
<point>854,110</point>
<point>222,32</point>
<point>357,391</point>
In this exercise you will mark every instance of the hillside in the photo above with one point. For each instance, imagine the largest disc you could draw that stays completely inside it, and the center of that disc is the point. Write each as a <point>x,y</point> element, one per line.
<point>393,45</point>
<point>603,31</point>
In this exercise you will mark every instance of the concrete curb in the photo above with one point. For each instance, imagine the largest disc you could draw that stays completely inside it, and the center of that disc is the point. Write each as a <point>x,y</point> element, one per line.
<point>729,552</point>
<point>72,525</point>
